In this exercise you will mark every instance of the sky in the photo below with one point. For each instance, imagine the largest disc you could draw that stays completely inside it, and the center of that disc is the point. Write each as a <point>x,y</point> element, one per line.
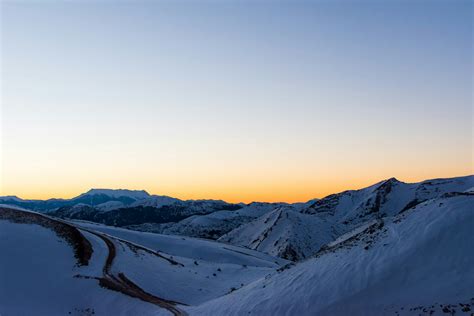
<point>233,100</point>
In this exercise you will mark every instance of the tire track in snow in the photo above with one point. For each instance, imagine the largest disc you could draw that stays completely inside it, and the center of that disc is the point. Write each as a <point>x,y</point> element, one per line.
<point>121,283</point>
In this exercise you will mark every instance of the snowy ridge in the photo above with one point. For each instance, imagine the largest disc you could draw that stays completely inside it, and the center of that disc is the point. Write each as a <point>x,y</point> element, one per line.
<point>308,228</point>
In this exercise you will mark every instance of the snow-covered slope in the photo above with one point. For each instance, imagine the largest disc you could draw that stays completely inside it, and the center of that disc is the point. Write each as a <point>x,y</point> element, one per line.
<point>54,267</point>
<point>189,247</point>
<point>38,267</point>
<point>283,232</point>
<point>418,262</point>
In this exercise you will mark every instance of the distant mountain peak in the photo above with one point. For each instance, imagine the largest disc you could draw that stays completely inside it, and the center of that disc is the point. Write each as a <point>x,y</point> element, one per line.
<point>116,193</point>
<point>386,185</point>
<point>391,180</point>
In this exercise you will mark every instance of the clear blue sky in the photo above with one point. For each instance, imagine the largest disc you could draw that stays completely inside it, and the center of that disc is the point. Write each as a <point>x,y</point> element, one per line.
<point>240,100</point>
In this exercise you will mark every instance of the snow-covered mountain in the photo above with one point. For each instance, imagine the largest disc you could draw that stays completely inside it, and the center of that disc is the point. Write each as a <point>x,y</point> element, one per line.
<point>115,193</point>
<point>100,198</point>
<point>384,198</point>
<point>123,207</point>
<point>37,205</point>
<point>298,232</point>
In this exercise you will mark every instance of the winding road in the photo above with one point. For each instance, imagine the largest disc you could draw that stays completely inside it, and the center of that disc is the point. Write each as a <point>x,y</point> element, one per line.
<point>124,285</point>
<point>83,250</point>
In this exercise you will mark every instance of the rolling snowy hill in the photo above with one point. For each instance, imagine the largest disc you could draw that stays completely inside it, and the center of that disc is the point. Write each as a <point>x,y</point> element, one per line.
<point>65,268</point>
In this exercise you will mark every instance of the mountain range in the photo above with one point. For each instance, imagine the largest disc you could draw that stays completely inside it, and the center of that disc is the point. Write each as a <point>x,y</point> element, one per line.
<point>392,248</point>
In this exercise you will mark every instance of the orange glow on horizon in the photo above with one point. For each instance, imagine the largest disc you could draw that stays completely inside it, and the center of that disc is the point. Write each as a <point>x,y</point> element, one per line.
<point>262,192</point>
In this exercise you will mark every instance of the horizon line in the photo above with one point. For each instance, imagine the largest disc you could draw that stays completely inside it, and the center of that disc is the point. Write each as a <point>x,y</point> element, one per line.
<point>226,201</point>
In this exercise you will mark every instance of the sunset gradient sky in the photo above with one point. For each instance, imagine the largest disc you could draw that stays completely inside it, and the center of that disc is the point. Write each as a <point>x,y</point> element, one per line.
<point>233,100</point>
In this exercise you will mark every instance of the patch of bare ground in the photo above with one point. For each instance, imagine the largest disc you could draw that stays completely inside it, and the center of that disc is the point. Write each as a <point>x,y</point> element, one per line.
<point>81,246</point>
